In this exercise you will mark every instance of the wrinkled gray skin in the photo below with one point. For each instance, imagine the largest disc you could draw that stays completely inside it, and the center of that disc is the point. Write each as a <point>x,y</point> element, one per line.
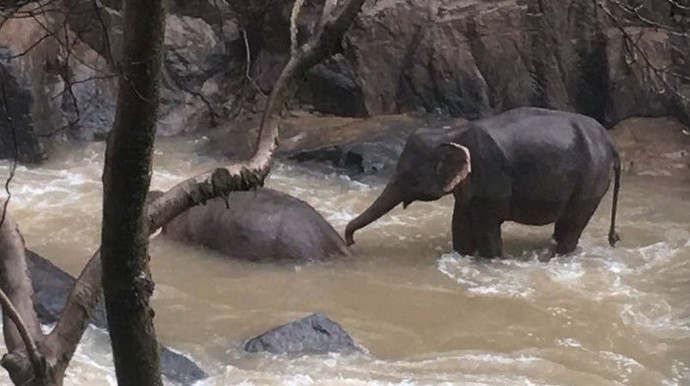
<point>258,225</point>
<point>528,165</point>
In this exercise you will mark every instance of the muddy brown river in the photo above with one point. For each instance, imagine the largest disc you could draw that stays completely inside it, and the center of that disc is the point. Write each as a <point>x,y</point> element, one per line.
<point>424,316</point>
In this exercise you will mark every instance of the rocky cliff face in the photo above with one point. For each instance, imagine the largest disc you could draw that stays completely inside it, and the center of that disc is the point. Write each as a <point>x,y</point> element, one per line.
<point>472,58</point>
<point>465,58</point>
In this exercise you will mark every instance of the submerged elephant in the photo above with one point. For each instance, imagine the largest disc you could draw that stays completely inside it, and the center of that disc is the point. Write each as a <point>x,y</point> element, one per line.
<point>529,165</point>
<point>258,225</point>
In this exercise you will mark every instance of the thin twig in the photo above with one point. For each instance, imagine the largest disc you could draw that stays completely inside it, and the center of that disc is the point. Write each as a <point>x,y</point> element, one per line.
<point>248,65</point>
<point>659,74</point>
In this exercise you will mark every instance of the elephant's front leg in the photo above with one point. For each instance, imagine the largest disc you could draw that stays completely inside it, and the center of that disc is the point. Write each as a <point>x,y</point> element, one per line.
<point>486,218</point>
<point>463,238</point>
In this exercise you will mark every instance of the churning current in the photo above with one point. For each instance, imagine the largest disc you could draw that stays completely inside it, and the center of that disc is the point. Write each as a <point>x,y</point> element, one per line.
<point>424,316</point>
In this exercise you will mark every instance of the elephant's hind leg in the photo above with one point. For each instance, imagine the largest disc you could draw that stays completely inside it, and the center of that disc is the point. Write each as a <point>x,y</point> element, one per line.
<point>571,224</point>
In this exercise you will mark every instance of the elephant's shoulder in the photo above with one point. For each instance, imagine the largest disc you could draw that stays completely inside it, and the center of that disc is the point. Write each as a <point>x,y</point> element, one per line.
<point>479,138</point>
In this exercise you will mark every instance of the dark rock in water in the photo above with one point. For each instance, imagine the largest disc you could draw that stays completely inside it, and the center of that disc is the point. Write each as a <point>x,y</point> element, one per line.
<point>371,146</point>
<point>377,155</point>
<point>51,288</point>
<point>314,334</point>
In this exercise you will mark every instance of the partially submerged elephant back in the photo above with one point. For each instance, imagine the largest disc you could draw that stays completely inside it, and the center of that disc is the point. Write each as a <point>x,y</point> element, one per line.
<point>259,225</point>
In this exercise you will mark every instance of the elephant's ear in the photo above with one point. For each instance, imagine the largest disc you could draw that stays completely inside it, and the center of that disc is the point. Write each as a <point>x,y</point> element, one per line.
<point>455,164</point>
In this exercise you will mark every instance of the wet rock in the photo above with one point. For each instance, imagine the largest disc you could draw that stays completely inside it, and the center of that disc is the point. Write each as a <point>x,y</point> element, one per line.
<point>334,90</point>
<point>88,100</point>
<point>52,286</point>
<point>363,148</point>
<point>189,87</point>
<point>476,58</point>
<point>17,137</point>
<point>653,146</point>
<point>72,93</point>
<point>313,334</point>
<point>359,158</point>
<point>461,58</point>
<point>58,93</point>
<point>28,87</point>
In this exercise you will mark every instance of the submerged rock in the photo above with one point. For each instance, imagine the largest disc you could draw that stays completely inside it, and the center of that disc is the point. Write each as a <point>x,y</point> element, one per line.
<point>51,288</point>
<point>313,334</point>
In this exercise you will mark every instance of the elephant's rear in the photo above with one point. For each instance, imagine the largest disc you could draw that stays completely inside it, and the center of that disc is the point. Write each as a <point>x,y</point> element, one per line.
<point>557,156</point>
<point>604,162</point>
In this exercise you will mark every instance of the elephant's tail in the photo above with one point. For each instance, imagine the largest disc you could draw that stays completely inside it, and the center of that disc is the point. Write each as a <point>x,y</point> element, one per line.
<point>613,235</point>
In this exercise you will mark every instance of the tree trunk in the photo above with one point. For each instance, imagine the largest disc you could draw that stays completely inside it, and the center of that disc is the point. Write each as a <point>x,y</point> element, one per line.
<point>126,278</point>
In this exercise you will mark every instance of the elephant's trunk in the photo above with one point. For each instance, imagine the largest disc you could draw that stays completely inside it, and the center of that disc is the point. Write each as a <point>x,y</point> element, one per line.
<point>387,200</point>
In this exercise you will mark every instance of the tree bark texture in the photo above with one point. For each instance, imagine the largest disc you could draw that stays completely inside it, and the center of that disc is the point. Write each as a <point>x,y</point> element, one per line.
<point>127,282</point>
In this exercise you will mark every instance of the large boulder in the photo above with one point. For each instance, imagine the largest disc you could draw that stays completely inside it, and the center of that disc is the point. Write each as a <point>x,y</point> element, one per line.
<point>51,288</point>
<point>313,334</point>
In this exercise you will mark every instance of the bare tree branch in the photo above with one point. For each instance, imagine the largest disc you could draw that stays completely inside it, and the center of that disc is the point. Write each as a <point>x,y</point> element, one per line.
<point>37,360</point>
<point>21,327</point>
<point>296,7</point>
<point>248,66</point>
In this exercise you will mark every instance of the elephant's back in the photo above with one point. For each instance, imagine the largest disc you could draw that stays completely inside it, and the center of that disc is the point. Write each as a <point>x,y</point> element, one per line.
<point>549,153</point>
<point>262,224</point>
<point>536,134</point>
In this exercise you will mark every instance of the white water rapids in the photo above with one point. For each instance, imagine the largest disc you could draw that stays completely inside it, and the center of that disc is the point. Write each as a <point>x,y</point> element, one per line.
<point>425,316</point>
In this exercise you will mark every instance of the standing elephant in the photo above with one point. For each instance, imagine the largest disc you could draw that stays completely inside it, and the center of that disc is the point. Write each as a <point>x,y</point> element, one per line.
<point>529,165</point>
<point>258,225</point>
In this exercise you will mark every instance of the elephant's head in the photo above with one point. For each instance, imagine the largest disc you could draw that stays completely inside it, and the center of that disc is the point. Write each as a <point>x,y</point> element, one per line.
<point>430,166</point>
